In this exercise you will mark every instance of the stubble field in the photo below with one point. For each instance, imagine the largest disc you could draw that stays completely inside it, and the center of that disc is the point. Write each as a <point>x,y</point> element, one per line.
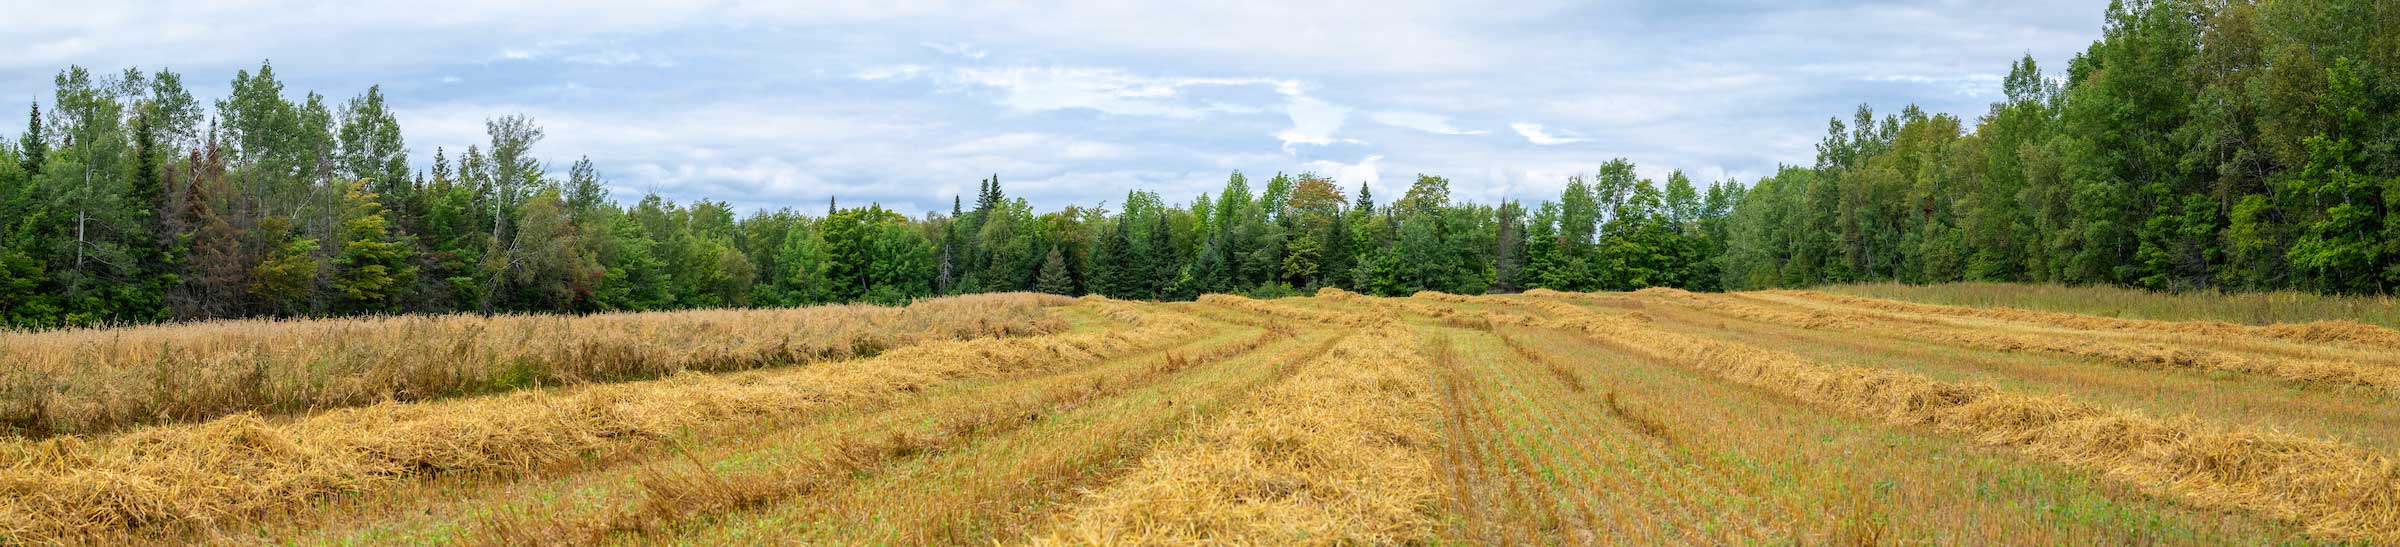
<point>1653,417</point>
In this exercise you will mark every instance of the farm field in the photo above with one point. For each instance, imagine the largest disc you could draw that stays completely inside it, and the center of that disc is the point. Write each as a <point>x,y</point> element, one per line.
<point>1651,417</point>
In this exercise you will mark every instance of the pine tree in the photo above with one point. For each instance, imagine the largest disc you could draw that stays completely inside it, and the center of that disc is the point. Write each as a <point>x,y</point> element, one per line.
<point>33,147</point>
<point>1115,271</point>
<point>1054,278</point>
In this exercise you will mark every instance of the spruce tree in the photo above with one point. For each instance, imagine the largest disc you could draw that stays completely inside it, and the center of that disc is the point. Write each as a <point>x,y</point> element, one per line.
<point>33,146</point>
<point>1054,278</point>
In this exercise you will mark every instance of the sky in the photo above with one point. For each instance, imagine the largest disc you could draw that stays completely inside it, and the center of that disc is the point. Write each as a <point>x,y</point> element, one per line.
<point>906,103</point>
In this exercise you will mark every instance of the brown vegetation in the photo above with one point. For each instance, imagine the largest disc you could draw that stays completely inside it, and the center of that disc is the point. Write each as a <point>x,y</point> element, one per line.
<point>242,466</point>
<point>93,381</point>
<point>2336,490</point>
<point>1657,417</point>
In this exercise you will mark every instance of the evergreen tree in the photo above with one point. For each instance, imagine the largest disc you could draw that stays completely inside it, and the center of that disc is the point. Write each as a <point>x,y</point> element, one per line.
<point>1054,278</point>
<point>33,147</point>
<point>373,268</point>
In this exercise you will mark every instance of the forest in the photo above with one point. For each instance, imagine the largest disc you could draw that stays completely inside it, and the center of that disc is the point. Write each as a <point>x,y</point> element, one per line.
<point>2216,145</point>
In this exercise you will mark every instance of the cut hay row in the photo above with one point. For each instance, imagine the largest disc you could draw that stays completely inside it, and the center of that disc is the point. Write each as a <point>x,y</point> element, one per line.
<point>170,477</point>
<point>1569,460</point>
<point>1439,296</point>
<point>1343,452</point>
<point>2235,344</point>
<point>2336,491</point>
<point>87,382</point>
<point>1288,311</point>
<point>2136,355</point>
<point>2342,332</point>
<point>1453,316</point>
<point>674,491</point>
<point>1003,488</point>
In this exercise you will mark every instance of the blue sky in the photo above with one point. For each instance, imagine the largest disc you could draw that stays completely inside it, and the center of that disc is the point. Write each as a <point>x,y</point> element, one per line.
<point>906,103</point>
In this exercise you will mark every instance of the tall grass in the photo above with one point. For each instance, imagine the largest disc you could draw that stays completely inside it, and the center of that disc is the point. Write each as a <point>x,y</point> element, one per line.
<point>2245,308</point>
<point>98,380</point>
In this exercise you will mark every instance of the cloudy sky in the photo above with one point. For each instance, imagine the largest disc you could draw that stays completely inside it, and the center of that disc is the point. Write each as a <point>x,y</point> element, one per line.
<point>905,102</point>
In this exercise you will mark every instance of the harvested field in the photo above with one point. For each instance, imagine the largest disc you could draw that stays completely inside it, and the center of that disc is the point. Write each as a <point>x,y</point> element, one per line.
<point>1654,417</point>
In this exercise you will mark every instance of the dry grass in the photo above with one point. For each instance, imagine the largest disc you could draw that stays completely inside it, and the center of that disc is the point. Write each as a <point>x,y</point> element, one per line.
<point>2336,490</point>
<point>670,494</point>
<point>1658,417</point>
<point>92,381</point>
<point>1342,453</point>
<point>2245,308</point>
<point>2324,331</point>
<point>180,477</point>
<point>2140,355</point>
<point>1290,312</point>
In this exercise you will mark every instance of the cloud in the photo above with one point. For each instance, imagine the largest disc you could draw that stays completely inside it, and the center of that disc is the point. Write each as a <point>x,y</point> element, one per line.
<point>1366,171</point>
<point>959,49</point>
<point>893,72</point>
<point>1534,133</point>
<point>1109,91</point>
<point>1314,122</point>
<point>1430,123</point>
<point>1971,85</point>
<point>782,103</point>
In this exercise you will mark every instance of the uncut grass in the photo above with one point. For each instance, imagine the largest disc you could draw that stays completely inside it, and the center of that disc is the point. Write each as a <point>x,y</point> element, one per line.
<point>994,488</point>
<point>2362,416</point>
<point>2244,308</point>
<point>2330,373</point>
<point>591,501</point>
<point>1803,475</point>
<point>92,381</point>
<point>175,478</point>
<point>1342,452</point>
<point>2335,491</point>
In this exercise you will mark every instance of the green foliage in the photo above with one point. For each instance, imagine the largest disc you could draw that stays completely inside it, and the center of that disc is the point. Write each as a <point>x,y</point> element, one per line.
<point>1054,278</point>
<point>373,269</point>
<point>2195,146</point>
<point>283,282</point>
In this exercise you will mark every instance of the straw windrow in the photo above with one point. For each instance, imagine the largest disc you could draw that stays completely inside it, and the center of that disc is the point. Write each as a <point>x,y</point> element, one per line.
<point>2335,490</point>
<point>1343,452</point>
<point>193,476</point>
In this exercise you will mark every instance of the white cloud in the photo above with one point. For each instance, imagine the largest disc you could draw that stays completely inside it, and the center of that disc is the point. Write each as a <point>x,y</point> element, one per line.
<point>892,72</point>
<point>1430,123</point>
<point>1314,122</point>
<point>960,49</point>
<point>1366,171</point>
<point>1971,85</point>
<point>1534,133</point>
<point>1105,90</point>
<point>784,102</point>
<point>1020,145</point>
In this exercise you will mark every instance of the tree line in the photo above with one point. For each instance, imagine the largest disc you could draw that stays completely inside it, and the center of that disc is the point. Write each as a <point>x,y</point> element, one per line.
<point>2196,145</point>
